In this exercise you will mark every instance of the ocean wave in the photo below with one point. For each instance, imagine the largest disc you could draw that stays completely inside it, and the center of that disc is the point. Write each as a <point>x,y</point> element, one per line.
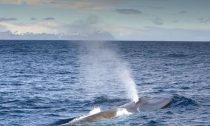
<point>176,55</point>
<point>179,101</point>
<point>152,123</point>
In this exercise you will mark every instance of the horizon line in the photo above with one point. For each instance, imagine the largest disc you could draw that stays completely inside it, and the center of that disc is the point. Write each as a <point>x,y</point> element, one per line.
<point>102,40</point>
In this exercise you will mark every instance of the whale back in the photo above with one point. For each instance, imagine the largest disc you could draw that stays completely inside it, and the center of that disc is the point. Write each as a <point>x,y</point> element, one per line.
<point>148,104</point>
<point>144,104</point>
<point>155,103</point>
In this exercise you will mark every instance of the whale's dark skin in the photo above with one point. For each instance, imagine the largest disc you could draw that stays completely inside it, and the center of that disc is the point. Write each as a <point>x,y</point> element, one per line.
<point>144,104</point>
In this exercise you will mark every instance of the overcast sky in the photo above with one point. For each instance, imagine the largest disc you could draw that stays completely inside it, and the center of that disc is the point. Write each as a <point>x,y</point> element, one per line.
<point>169,20</point>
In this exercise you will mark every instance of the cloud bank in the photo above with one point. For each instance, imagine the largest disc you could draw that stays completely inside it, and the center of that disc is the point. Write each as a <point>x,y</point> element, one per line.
<point>49,18</point>
<point>83,29</point>
<point>3,19</point>
<point>157,21</point>
<point>128,11</point>
<point>38,28</point>
<point>109,19</point>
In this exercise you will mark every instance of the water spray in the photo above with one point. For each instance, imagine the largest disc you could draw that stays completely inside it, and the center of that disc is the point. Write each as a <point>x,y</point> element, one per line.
<point>106,66</point>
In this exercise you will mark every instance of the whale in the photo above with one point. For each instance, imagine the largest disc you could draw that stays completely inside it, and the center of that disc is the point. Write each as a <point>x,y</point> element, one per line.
<point>143,104</point>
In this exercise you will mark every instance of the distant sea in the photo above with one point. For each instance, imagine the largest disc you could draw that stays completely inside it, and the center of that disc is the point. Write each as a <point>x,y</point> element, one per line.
<point>43,83</point>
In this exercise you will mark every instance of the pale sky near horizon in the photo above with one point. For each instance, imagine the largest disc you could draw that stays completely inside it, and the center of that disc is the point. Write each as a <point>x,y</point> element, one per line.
<point>169,20</point>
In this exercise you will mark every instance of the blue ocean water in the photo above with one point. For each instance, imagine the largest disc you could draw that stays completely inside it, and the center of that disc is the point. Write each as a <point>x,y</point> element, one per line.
<point>45,83</point>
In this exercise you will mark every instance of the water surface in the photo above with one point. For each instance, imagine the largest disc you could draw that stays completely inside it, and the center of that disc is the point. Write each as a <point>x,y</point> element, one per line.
<point>43,82</point>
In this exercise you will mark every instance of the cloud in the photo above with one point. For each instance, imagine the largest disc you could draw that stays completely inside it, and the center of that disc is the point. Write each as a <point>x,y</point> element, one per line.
<point>38,28</point>
<point>182,12</point>
<point>33,18</point>
<point>85,4</point>
<point>28,36</point>
<point>73,4</point>
<point>49,18</point>
<point>204,20</point>
<point>3,19</point>
<point>89,29</point>
<point>83,29</point>
<point>28,2</point>
<point>128,11</point>
<point>123,32</point>
<point>174,34</point>
<point>157,21</point>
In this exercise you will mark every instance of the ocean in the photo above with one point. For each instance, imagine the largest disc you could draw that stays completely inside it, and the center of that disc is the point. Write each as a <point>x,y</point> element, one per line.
<point>45,83</point>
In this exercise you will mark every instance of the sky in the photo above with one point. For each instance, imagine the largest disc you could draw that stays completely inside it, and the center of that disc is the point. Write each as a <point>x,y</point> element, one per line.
<point>138,20</point>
